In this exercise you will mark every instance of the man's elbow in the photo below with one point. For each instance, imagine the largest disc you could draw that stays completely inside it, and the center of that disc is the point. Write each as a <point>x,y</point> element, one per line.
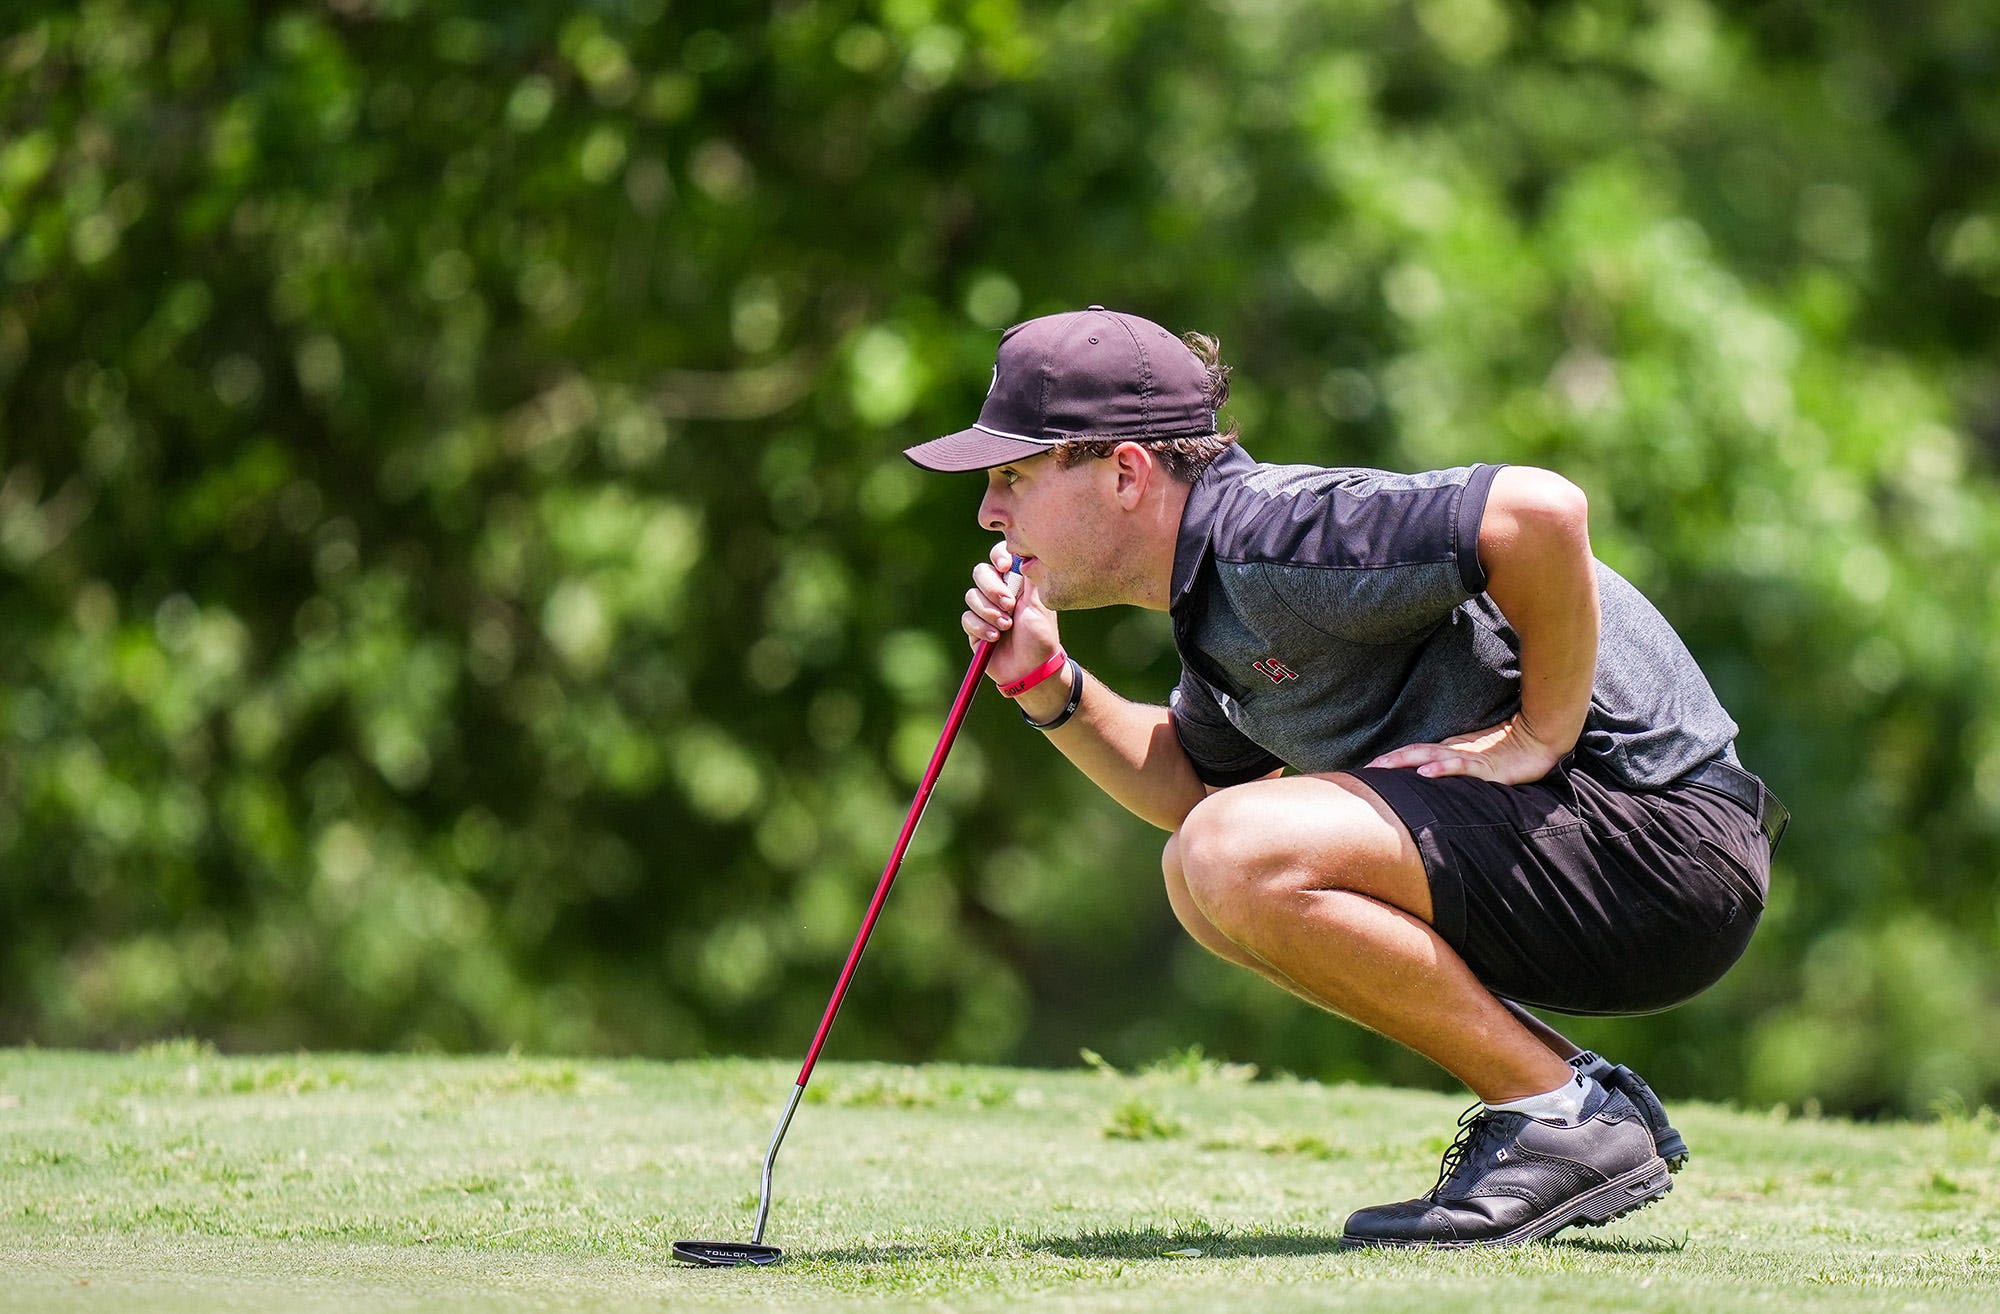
<point>1537,505</point>
<point>1548,497</point>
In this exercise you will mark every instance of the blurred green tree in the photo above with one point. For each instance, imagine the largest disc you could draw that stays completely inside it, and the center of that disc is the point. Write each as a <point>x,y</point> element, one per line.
<point>458,586</point>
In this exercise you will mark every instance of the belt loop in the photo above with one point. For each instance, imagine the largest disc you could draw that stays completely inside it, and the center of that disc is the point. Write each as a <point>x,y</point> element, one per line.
<point>1769,806</point>
<point>1747,790</point>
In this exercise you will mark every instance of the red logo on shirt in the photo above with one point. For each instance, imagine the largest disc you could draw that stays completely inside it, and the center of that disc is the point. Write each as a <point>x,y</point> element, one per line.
<point>1277,670</point>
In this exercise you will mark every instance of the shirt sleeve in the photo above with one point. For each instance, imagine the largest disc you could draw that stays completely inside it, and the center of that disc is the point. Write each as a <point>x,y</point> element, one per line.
<point>1386,557</point>
<point>1221,754</point>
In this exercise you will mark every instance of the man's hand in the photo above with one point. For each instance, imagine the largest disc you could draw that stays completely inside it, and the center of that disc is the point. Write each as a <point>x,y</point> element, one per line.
<point>1007,612</point>
<point>1507,754</point>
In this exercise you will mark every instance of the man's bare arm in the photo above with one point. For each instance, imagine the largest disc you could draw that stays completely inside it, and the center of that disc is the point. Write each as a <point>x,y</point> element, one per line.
<point>1534,542</point>
<point>1535,545</point>
<point>1128,749</point>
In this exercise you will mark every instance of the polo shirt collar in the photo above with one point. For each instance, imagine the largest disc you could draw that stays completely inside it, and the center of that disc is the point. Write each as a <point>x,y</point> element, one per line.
<point>1198,516</point>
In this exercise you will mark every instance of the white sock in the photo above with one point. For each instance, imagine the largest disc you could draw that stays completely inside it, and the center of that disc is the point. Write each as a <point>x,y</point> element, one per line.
<point>1563,1105</point>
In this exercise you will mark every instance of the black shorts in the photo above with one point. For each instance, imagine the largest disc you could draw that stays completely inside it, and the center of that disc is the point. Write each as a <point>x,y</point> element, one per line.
<point>1581,894</point>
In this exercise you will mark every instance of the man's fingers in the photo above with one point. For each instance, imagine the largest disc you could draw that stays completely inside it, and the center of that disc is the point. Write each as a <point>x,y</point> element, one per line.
<point>1409,755</point>
<point>1432,761</point>
<point>994,584</point>
<point>983,620</point>
<point>991,601</point>
<point>1002,607</point>
<point>979,630</point>
<point>994,611</point>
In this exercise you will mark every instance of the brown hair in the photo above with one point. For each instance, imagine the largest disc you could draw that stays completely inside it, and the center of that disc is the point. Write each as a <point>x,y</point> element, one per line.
<point>1183,458</point>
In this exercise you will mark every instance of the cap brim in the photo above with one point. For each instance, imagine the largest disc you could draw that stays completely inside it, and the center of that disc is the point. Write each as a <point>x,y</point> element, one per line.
<point>973,449</point>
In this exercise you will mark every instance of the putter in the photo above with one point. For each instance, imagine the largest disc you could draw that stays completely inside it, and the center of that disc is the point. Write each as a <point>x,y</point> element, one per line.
<point>730,1254</point>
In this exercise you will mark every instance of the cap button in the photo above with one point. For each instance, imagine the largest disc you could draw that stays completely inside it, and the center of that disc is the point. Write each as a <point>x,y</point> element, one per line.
<point>1093,307</point>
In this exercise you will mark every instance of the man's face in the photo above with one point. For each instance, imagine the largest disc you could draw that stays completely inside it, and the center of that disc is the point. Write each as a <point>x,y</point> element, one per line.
<point>1064,523</point>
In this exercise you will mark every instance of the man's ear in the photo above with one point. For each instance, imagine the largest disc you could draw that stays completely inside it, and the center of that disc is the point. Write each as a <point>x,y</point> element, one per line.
<point>1135,469</point>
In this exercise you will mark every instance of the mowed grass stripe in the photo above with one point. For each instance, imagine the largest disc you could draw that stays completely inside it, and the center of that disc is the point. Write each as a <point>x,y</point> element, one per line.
<point>175,1179</point>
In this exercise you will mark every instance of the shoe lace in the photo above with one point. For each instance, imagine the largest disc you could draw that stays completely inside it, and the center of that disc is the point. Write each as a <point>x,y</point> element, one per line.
<point>1472,1126</point>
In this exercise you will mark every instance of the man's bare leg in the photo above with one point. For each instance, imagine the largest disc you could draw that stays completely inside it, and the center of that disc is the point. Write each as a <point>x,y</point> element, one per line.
<point>1203,932</point>
<point>1555,1041</point>
<point>1315,883</point>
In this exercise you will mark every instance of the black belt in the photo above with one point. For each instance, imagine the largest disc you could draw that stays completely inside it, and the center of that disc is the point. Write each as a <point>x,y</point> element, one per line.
<point>1747,791</point>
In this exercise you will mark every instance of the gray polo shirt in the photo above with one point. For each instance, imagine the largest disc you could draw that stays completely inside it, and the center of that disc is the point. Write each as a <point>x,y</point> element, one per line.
<point>1327,616</point>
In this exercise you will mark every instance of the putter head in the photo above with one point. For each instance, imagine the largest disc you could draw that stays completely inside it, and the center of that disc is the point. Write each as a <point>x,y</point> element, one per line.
<point>726,1254</point>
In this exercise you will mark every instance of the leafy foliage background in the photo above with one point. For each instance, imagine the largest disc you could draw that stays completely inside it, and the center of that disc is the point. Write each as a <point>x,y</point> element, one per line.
<point>459,587</point>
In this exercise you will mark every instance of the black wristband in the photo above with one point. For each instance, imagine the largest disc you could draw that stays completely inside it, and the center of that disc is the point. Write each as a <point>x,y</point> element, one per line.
<point>1075,674</point>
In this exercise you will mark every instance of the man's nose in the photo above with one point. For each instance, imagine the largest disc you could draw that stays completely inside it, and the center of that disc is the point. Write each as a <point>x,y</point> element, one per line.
<point>990,516</point>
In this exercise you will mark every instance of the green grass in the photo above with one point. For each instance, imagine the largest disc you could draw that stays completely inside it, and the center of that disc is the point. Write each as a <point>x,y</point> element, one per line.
<point>173,1179</point>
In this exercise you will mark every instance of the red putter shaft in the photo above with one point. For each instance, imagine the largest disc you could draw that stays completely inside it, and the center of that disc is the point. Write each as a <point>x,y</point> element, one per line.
<point>981,655</point>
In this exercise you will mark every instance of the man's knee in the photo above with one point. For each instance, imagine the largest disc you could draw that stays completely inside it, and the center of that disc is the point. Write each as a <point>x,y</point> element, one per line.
<point>1197,876</point>
<point>1228,860</point>
<point>1190,916</point>
<point>1254,850</point>
<point>1178,897</point>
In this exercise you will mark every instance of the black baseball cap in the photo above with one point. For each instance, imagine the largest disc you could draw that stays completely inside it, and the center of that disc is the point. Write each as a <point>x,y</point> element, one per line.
<point>1087,374</point>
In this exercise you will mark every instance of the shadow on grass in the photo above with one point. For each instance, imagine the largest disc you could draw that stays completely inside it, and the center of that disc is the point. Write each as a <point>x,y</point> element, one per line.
<point>1152,1243</point>
<point>1155,1243</point>
<point>1139,1244</point>
<point>1621,1245</point>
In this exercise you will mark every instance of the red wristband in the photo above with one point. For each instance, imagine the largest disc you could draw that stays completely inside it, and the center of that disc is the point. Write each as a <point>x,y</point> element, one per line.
<point>1036,676</point>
